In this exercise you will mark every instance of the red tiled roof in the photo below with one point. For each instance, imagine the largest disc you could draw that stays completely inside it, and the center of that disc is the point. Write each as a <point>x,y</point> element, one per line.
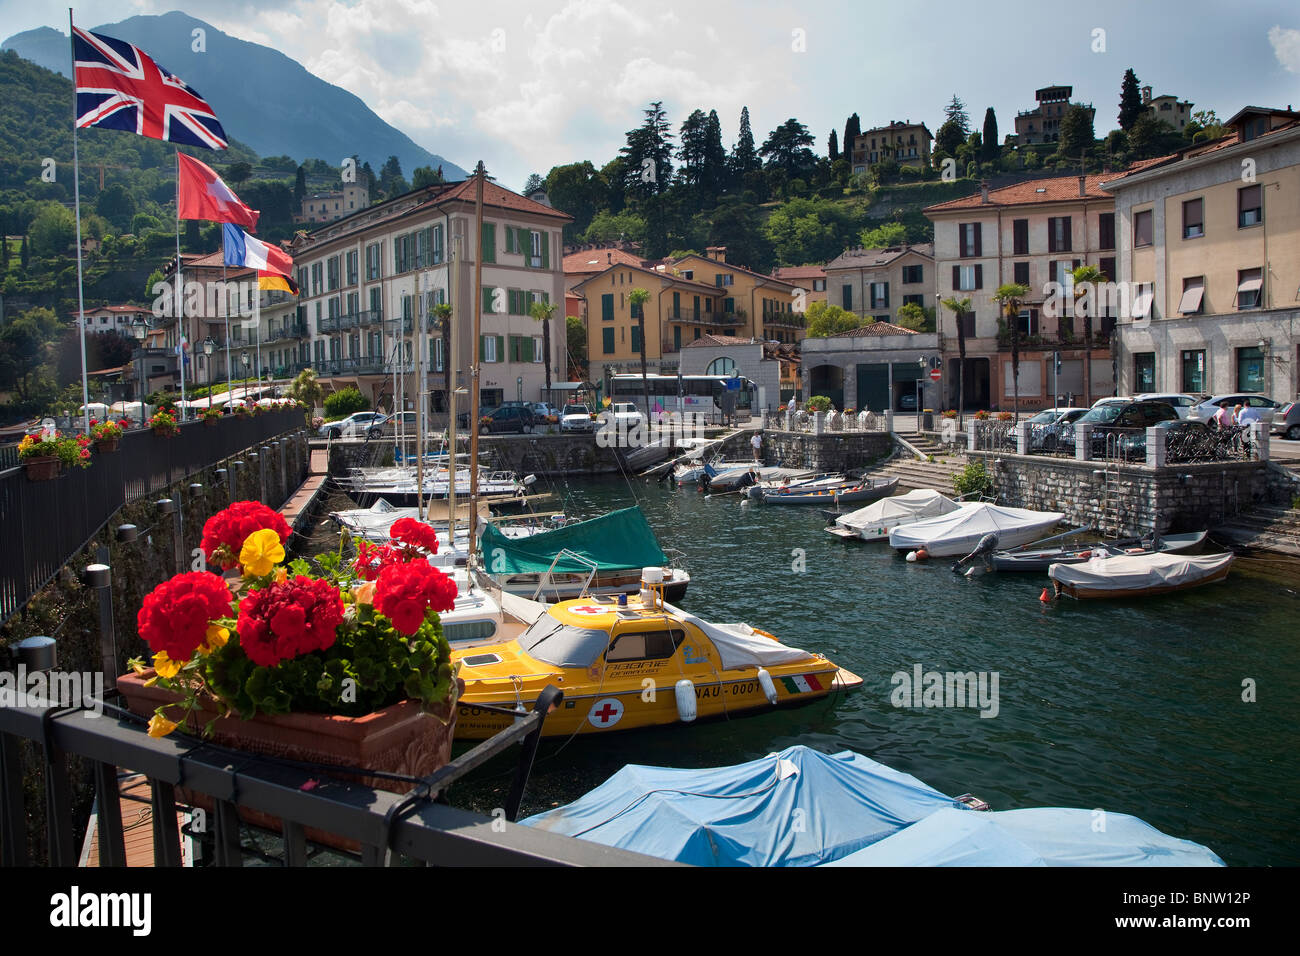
<point>703,287</point>
<point>871,258</point>
<point>707,261</point>
<point>874,329</point>
<point>1051,189</point>
<point>799,272</point>
<point>718,340</point>
<point>494,195</point>
<point>598,260</point>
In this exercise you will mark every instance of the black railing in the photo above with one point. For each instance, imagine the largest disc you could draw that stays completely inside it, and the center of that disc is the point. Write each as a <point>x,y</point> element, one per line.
<point>47,522</point>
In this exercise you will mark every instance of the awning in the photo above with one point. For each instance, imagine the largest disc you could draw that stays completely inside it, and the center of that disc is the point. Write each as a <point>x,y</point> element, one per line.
<point>1250,285</point>
<point>1191,300</point>
<point>617,541</point>
<point>1142,302</point>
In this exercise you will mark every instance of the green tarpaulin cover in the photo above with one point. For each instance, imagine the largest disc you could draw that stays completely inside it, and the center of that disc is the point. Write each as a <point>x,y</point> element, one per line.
<point>618,541</point>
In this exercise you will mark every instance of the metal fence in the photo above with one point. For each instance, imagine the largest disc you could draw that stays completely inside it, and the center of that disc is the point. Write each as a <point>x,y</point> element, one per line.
<point>832,422</point>
<point>995,436</point>
<point>45,523</point>
<point>1187,445</point>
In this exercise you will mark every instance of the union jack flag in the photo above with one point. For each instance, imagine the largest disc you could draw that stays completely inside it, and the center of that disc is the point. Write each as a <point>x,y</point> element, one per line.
<point>120,87</point>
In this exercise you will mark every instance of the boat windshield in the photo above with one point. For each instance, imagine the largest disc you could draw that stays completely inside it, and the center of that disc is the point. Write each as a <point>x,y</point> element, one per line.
<point>563,645</point>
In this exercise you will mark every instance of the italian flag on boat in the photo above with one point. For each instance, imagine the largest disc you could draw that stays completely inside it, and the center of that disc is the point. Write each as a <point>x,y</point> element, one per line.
<point>801,683</point>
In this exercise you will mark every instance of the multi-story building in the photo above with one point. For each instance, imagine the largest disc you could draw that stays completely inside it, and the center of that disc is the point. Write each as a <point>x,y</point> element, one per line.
<point>1033,233</point>
<point>328,206</point>
<point>876,283</point>
<point>1167,109</point>
<point>808,280</point>
<point>113,318</point>
<point>878,367</point>
<point>904,142</point>
<point>1042,124</point>
<point>366,279</point>
<point>586,263</point>
<point>1213,232</point>
<point>763,306</point>
<point>221,307</point>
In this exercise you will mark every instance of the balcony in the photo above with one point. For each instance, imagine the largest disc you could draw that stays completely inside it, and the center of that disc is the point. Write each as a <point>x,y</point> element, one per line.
<point>695,316</point>
<point>328,323</point>
<point>288,332</point>
<point>362,365</point>
<point>370,317</point>
<point>1063,340</point>
<point>789,320</point>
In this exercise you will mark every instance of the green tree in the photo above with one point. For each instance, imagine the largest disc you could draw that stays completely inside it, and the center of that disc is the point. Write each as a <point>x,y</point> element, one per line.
<point>738,225</point>
<point>575,335</point>
<point>1077,134</point>
<point>883,236</point>
<point>579,190</point>
<point>916,317</point>
<point>428,176</point>
<point>692,148</point>
<point>53,230</point>
<point>344,402</point>
<point>824,319</point>
<point>1087,279</point>
<point>1130,101</point>
<point>955,112</point>
<point>117,205</point>
<point>991,148</point>
<point>1011,295</point>
<point>300,186</point>
<point>959,308</point>
<point>716,177</point>
<point>1204,126</point>
<point>637,298</point>
<point>24,254</point>
<point>949,138</point>
<point>542,312</point>
<point>788,148</point>
<point>533,183</point>
<point>237,173</point>
<point>648,154</point>
<point>391,182</point>
<point>306,391</point>
<point>833,147</point>
<point>23,351</point>
<point>744,158</point>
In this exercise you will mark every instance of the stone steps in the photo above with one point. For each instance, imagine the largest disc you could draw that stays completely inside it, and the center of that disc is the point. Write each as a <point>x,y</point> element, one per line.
<point>913,473</point>
<point>1264,528</point>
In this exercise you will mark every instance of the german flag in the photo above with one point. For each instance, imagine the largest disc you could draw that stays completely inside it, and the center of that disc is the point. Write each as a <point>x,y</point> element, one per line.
<point>274,280</point>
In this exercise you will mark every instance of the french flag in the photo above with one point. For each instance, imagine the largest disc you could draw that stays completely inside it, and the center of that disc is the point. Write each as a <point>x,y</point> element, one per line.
<point>241,249</point>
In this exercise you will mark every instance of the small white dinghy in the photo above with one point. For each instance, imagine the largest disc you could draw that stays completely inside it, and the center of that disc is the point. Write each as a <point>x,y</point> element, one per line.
<point>1138,575</point>
<point>877,519</point>
<point>958,533</point>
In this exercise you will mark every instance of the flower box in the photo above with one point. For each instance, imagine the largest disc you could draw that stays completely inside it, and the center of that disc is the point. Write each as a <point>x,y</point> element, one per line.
<point>106,445</point>
<point>43,468</point>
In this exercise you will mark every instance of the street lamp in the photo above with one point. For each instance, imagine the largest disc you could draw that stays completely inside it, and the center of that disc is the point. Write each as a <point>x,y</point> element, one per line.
<point>139,330</point>
<point>244,358</point>
<point>209,347</point>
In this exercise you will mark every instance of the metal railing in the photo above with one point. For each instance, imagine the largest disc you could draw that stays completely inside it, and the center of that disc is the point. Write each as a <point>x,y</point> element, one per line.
<point>832,422</point>
<point>994,436</point>
<point>47,522</point>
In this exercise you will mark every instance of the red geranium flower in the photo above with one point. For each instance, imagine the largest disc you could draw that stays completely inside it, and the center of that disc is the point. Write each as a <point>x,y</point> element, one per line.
<point>414,534</point>
<point>175,616</point>
<point>288,619</point>
<point>404,591</point>
<point>373,558</point>
<point>225,532</point>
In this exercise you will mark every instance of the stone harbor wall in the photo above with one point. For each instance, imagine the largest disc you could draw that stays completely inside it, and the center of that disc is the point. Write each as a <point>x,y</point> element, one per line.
<point>836,451</point>
<point>1132,499</point>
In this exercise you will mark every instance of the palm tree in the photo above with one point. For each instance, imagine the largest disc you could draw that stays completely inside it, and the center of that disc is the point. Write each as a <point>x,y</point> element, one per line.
<point>542,312</point>
<point>1011,295</point>
<point>442,316</point>
<point>638,297</point>
<point>959,307</point>
<point>1087,279</point>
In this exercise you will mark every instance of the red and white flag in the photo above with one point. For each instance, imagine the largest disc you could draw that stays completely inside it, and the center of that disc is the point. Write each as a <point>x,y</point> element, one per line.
<point>204,196</point>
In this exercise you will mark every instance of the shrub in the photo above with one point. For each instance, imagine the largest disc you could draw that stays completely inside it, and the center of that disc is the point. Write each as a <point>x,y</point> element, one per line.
<point>819,403</point>
<point>345,402</point>
<point>974,479</point>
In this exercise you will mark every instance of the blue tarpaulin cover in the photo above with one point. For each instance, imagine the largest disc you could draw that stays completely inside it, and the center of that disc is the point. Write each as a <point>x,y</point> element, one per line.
<point>795,808</point>
<point>804,808</point>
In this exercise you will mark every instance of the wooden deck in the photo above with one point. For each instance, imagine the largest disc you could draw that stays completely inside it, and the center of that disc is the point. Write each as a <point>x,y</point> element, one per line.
<point>137,827</point>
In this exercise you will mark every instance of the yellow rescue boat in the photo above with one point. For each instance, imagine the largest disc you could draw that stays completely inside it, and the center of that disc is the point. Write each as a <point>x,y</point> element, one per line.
<point>644,663</point>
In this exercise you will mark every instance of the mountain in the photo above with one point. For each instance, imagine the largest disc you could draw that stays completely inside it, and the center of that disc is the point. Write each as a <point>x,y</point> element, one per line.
<point>262,97</point>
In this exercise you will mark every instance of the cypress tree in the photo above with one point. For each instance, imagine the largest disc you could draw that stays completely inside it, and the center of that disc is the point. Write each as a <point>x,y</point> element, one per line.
<point>991,145</point>
<point>833,147</point>
<point>852,130</point>
<point>1130,101</point>
<point>23,254</point>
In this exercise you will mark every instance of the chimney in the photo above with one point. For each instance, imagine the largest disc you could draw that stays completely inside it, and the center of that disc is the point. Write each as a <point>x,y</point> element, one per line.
<point>1146,96</point>
<point>984,191</point>
<point>609,256</point>
<point>1083,185</point>
<point>717,253</point>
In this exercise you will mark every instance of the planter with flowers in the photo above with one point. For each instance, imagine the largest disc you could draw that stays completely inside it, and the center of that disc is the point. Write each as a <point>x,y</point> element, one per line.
<point>241,409</point>
<point>1005,416</point>
<point>211,415</point>
<point>106,434</point>
<point>981,416</point>
<point>949,413</point>
<point>319,661</point>
<point>163,423</point>
<point>43,455</point>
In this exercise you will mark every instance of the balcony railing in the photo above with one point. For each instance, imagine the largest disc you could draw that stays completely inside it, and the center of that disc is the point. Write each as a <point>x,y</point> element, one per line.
<point>790,320</point>
<point>289,332</point>
<point>362,365</point>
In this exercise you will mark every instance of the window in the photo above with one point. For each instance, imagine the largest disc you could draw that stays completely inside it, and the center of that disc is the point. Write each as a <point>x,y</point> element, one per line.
<point>1194,371</point>
<point>352,268</point>
<point>1249,286</point>
<point>880,295</point>
<point>1142,228</point>
<point>689,274</point>
<point>1027,322</point>
<point>376,300</point>
<point>372,261</point>
<point>1193,225</point>
<point>912,275</point>
<point>1106,230</point>
<point>1250,369</point>
<point>538,355</point>
<point>607,340</point>
<point>490,348</point>
<point>644,646</point>
<point>317,274</point>
<point>847,296</point>
<point>1020,272</point>
<point>1144,371</point>
<point>968,236</point>
<point>488,242</point>
<point>1063,274</point>
<point>1020,237</point>
<point>436,251</point>
<point>723,279</point>
<point>1250,206</point>
<point>967,278</point>
<point>819,285</point>
<point>1193,295</point>
<point>1107,267</point>
<point>636,339</point>
<point>638,310</point>
<point>607,307</point>
<point>521,348</point>
<point>1058,234</point>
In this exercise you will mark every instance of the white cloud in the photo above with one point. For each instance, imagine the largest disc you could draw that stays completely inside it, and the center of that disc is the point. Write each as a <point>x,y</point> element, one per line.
<point>1286,47</point>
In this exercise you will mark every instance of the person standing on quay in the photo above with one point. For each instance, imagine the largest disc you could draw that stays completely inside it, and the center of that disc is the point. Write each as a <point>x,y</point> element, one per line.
<point>756,443</point>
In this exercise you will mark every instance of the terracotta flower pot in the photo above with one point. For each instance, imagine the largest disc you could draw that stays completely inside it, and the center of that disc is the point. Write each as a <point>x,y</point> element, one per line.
<point>105,445</point>
<point>42,469</point>
<point>400,738</point>
<point>211,419</point>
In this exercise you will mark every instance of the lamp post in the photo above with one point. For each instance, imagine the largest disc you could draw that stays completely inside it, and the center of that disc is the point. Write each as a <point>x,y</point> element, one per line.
<point>244,358</point>
<point>209,347</point>
<point>139,330</point>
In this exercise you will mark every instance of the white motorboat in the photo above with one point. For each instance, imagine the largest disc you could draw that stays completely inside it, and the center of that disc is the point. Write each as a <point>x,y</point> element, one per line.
<point>958,533</point>
<point>878,519</point>
<point>1138,575</point>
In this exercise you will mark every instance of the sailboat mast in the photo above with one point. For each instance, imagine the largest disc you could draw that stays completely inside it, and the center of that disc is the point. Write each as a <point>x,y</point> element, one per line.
<point>479,175</point>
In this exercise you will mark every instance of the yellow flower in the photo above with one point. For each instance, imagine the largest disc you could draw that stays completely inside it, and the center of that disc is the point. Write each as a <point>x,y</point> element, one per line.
<point>216,637</point>
<point>262,550</point>
<point>281,575</point>
<point>160,726</point>
<point>165,666</point>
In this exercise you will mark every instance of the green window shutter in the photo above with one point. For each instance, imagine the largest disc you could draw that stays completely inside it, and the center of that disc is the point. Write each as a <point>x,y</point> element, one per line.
<point>501,347</point>
<point>607,307</point>
<point>636,340</point>
<point>729,305</point>
<point>482,347</point>
<point>489,242</point>
<point>526,352</point>
<point>546,297</point>
<point>532,297</point>
<point>546,250</point>
<point>510,239</point>
<point>607,341</point>
<point>487,298</point>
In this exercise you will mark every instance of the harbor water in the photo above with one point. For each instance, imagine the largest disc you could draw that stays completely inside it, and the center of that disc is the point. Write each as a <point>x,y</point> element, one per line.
<point>1180,710</point>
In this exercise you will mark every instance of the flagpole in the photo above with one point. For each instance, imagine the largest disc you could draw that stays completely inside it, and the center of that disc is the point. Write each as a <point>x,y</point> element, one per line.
<point>225,307</point>
<point>180,300</point>
<point>479,174</point>
<point>76,192</point>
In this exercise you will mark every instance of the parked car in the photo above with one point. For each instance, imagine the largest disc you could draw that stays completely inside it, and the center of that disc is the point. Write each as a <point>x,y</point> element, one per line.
<point>1110,418</point>
<point>907,402</point>
<point>508,418</point>
<point>356,425</point>
<point>1180,437</point>
<point>1286,421</point>
<point>545,413</point>
<point>577,418</point>
<point>1266,407</point>
<point>407,420</point>
<point>1050,425</point>
<point>1182,402</point>
<point>622,414</point>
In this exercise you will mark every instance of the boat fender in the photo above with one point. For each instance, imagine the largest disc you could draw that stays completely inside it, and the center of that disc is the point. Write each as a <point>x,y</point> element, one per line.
<point>685,693</point>
<point>922,554</point>
<point>765,682</point>
<point>911,556</point>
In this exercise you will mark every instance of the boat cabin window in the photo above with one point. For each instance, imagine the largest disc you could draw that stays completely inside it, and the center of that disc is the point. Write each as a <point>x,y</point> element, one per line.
<point>644,646</point>
<point>563,645</point>
<point>468,630</point>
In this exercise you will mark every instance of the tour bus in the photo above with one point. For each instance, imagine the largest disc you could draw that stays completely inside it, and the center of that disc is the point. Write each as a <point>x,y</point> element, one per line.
<point>680,395</point>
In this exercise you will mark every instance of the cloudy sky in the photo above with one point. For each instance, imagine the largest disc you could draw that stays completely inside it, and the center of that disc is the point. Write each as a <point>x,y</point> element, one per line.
<point>528,85</point>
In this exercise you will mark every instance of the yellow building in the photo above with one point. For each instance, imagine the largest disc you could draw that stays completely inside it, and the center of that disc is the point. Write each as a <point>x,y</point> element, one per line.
<point>905,143</point>
<point>762,307</point>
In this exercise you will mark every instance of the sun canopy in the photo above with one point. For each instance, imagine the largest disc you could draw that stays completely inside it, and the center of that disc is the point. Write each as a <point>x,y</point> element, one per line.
<point>741,815</point>
<point>912,506</point>
<point>1039,836</point>
<point>618,541</point>
<point>1135,572</point>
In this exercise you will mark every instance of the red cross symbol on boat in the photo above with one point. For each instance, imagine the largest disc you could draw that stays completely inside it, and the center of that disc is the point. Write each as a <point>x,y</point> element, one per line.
<point>588,609</point>
<point>606,713</point>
